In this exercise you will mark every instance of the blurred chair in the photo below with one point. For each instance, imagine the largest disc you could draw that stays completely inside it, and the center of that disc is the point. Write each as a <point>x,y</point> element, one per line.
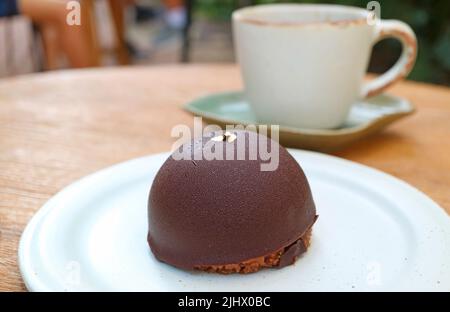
<point>78,43</point>
<point>186,44</point>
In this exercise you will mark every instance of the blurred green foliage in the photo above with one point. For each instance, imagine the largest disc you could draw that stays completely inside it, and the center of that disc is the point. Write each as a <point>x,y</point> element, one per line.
<point>430,20</point>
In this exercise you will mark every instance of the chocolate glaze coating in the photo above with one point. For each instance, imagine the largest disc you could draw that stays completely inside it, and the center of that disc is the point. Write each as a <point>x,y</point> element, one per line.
<point>214,212</point>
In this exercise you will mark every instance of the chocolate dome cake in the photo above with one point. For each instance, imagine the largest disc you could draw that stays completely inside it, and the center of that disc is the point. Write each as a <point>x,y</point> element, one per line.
<point>229,216</point>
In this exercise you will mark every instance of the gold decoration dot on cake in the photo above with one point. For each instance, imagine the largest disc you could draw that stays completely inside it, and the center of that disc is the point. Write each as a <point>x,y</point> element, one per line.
<point>226,137</point>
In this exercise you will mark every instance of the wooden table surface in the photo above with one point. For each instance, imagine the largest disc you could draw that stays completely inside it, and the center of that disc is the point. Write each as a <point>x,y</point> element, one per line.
<point>58,127</point>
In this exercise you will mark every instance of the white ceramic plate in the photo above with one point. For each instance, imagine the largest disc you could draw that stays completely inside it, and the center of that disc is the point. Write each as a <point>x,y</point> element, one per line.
<point>374,232</point>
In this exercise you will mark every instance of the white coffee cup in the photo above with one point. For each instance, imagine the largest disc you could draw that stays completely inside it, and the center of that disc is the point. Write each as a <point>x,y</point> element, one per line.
<point>304,65</point>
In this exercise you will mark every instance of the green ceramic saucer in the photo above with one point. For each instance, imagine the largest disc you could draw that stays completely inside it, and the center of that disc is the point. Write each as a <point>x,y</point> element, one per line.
<point>365,118</point>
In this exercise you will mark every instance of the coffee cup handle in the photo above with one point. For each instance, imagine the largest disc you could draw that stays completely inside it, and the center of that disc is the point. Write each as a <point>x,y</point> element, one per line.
<point>404,33</point>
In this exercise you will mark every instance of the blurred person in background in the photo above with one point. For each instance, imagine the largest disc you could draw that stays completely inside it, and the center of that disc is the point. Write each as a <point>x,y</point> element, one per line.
<point>155,29</point>
<point>8,8</point>
<point>175,14</point>
<point>63,43</point>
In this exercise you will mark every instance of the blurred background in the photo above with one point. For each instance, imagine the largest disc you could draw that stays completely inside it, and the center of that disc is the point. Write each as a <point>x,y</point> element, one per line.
<point>34,35</point>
